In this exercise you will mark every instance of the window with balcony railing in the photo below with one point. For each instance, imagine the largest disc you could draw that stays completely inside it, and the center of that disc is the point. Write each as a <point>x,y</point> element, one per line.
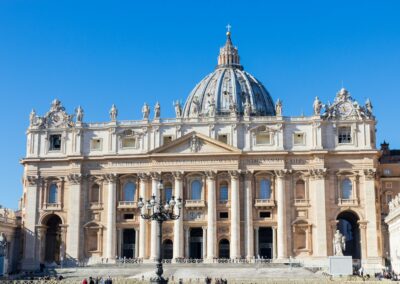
<point>265,189</point>
<point>53,194</point>
<point>196,187</point>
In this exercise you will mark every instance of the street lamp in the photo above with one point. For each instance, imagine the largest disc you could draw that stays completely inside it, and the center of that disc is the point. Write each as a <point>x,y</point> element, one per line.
<point>157,211</point>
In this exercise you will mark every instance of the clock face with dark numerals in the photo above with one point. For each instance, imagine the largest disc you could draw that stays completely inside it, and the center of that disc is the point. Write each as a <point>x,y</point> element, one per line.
<point>345,109</point>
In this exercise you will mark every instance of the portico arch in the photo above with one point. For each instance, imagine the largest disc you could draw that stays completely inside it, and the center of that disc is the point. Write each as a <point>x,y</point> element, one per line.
<point>349,227</point>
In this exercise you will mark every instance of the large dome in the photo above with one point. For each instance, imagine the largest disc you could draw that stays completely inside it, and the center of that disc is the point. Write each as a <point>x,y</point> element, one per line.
<point>229,89</point>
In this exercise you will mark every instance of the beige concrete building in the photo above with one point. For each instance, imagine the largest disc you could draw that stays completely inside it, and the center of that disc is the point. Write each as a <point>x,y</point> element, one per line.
<point>9,241</point>
<point>254,183</point>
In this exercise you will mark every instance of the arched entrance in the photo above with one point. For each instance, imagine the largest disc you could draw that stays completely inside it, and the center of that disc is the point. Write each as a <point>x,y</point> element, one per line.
<point>196,243</point>
<point>223,248</point>
<point>167,249</point>
<point>348,226</point>
<point>53,239</point>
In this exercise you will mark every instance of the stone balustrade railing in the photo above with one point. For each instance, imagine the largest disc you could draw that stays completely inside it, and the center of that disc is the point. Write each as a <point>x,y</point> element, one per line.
<point>195,203</point>
<point>127,204</point>
<point>264,203</point>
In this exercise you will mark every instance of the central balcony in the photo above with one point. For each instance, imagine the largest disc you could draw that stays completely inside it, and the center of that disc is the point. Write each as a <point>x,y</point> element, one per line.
<point>127,205</point>
<point>264,203</point>
<point>194,203</point>
<point>347,202</point>
<point>52,206</point>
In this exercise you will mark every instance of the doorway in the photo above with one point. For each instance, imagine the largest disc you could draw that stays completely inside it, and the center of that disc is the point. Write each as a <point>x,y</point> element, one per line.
<point>196,243</point>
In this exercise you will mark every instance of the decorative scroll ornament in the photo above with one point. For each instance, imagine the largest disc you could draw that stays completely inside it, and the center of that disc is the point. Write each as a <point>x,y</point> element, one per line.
<point>345,107</point>
<point>56,117</point>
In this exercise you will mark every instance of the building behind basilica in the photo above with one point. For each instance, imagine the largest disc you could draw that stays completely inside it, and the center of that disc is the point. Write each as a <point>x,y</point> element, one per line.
<point>254,183</point>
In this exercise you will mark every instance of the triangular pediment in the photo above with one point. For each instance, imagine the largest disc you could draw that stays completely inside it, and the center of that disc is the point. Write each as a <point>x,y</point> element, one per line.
<point>196,143</point>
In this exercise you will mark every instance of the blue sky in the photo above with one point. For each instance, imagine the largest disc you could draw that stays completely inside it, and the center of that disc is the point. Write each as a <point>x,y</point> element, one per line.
<point>96,53</point>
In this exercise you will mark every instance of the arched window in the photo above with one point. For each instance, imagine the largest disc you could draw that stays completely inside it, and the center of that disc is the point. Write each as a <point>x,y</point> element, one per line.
<point>167,191</point>
<point>196,190</point>
<point>129,191</point>
<point>223,191</point>
<point>300,189</point>
<point>265,189</point>
<point>53,193</point>
<point>95,193</point>
<point>347,189</point>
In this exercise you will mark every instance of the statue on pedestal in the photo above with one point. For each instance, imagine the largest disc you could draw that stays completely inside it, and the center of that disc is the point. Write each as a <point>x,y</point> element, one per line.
<point>146,111</point>
<point>79,114</point>
<point>157,111</point>
<point>278,107</point>
<point>317,106</point>
<point>178,109</point>
<point>113,113</point>
<point>339,243</point>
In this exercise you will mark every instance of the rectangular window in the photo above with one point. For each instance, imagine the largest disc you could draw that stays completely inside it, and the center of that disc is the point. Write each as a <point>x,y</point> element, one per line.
<point>167,139</point>
<point>95,144</point>
<point>298,139</point>
<point>129,142</point>
<point>223,215</point>
<point>223,138</point>
<point>128,216</point>
<point>55,142</point>
<point>387,172</point>
<point>388,185</point>
<point>265,214</point>
<point>263,138</point>
<point>344,135</point>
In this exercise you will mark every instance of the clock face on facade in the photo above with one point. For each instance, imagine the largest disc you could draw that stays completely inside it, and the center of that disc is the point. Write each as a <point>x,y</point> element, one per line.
<point>57,118</point>
<point>345,108</point>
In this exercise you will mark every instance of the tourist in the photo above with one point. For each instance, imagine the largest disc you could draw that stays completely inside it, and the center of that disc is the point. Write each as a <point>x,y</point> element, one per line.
<point>84,281</point>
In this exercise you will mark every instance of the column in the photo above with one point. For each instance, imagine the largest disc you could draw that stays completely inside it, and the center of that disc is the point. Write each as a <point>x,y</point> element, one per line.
<point>154,249</point>
<point>42,242</point>
<point>74,216</point>
<point>281,242</point>
<point>211,215</point>
<point>248,215</point>
<point>187,234</point>
<point>235,216</point>
<point>274,246</point>
<point>178,224</point>
<point>136,243</point>
<point>318,202</point>
<point>142,222</point>
<point>363,237</point>
<point>31,261</point>
<point>257,242</point>
<point>204,242</point>
<point>111,210</point>
<point>370,213</point>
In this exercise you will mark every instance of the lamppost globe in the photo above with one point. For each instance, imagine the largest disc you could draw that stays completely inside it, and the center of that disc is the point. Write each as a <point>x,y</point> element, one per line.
<point>158,211</point>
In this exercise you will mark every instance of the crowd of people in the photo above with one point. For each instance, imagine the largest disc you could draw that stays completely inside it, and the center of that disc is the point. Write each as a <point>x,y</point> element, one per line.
<point>97,280</point>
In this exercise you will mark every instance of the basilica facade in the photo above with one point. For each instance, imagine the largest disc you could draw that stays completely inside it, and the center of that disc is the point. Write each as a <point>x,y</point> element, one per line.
<point>254,182</point>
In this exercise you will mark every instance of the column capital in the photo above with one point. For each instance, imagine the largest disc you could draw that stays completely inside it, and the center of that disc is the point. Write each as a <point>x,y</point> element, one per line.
<point>369,174</point>
<point>111,178</point>
<point>178,175</point>
<point>234,174</point>
<point>32,180</point>
<point>248,175</point>
<point>281,173</point>
<point>143,176</point>
<point>211,174</point>
<point>317,173</point>
<point>155,175</point>
<point>74,178</point>
<point>186,228</point>
<point>363,224</point>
